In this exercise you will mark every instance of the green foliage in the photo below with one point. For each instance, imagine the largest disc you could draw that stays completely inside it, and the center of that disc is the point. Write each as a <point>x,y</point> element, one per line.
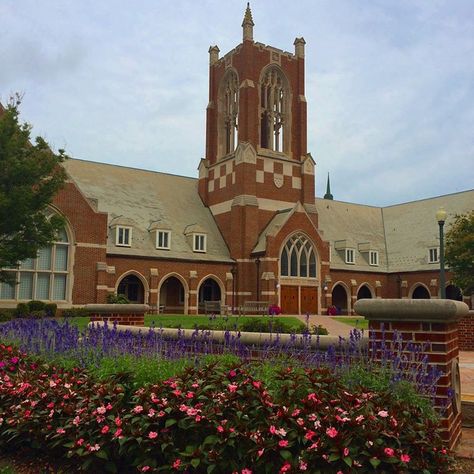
<point>22,310</point>
<point>117,299</point>
<point>6,314</point>
<point>268,324</point>
<point>36,305</point>
<point>35,309</point>
<point>31,175</point>
<point>216,417</point>
<point>75,313</point>
<point>50,309</point>
<point>460,251</point>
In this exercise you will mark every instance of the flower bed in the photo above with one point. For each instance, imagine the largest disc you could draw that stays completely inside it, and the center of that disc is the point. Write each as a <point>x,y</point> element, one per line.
<point>215,418</point>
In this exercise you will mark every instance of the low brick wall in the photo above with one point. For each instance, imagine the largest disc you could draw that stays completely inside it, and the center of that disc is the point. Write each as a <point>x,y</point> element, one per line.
<point>466,332</point>
<point>433,325</point>
<point>123,314</point>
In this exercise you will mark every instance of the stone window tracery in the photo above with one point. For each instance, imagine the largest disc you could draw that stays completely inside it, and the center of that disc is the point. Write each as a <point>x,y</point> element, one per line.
<point>229,111</point>
<point>298,258</point>
<point>274,111</point>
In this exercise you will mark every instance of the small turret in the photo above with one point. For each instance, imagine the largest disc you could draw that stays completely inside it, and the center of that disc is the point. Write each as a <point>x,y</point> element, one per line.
<point>213,55</point>
<point>248,25</point>
<point>328,194</point>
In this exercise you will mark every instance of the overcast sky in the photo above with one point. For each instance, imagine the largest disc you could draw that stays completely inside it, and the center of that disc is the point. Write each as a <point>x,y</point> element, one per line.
<point>389,84</point>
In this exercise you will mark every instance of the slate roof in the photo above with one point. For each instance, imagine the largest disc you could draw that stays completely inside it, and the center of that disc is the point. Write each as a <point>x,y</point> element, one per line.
<point>149,200</point>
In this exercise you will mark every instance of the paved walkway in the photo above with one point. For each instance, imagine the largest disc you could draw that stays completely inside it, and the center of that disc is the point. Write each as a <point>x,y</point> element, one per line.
<point>335,328</point>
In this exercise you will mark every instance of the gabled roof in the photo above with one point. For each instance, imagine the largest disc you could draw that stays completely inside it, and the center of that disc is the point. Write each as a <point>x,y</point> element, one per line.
<point>144,200</point>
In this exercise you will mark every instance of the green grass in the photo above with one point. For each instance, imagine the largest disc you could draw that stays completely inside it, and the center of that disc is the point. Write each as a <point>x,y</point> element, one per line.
<point>190,321</point>
<point>359,323</point>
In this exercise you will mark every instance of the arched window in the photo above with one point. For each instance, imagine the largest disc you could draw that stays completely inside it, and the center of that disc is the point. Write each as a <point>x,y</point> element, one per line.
<point>274,110</point>
<point>228,113</point>
<point>298,258</point>
<point>42,278</point>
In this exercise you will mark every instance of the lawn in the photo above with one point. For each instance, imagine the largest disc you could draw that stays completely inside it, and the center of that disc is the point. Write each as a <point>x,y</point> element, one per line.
<point>359,323</point>
<point>191,321</point>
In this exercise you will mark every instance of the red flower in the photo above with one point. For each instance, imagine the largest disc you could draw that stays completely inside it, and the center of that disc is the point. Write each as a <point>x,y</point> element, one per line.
<point>105,429</point>
<point>176,464</point>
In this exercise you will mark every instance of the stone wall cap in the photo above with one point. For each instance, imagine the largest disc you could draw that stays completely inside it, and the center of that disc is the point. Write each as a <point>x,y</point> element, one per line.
<point>411,310</point>
<point>117,308</point>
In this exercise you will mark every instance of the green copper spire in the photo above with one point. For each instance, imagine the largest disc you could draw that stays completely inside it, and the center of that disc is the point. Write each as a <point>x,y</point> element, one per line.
<point>328,194</point>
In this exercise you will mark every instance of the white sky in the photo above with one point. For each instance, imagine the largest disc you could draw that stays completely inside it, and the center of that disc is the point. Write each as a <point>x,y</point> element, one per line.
<point>389,84</point>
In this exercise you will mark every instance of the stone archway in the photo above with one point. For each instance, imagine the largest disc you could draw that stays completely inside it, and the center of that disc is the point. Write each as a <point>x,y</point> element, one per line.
<point>132,287</point>
<point>209,290</point>
<point>172,296</point>
<point>453,293</point>
<point>421,293</point>
<point>364,292</point>
<point>339,299</point>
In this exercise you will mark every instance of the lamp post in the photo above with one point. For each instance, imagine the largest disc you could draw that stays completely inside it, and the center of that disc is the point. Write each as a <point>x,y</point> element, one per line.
<point>441,218</point>
<point>257,262</point>
<point>233,270</point>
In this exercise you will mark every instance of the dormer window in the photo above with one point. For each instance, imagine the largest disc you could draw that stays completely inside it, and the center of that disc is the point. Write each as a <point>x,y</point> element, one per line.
<point>350,256</point>
<point>163,239</point>
<point>123,236</point>
<point>199,242</point>
<point>433,255</point>
<point>373,258</point>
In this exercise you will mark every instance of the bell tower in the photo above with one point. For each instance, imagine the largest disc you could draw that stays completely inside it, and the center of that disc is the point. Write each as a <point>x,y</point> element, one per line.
<point>256,161</point>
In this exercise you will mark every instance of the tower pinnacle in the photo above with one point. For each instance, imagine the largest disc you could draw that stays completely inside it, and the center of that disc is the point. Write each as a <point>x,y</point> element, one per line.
<point>248,24</point>
<point>328,194</point>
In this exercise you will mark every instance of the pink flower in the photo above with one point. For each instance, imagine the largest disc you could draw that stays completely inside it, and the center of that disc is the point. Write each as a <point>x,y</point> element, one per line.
<point>60,431</point>
<point>76,421</point>
<point>331,432</point>
<point>346,452</point>
<point>151,412</point>
<point>145,468</point>
<point>313,397</point>
<point>101,410</point>
<point>359,418</point>
<point>283,443</point>
<point>310,435</point>
<point>272,429</point>
<point>176,464</point>
<point>405,458</point>
<point>96,447</point>
<point>260,452</point>
<point>286,467</point>
<point>232,373</point>
<point>118,421</point>
<point>246,471</point>
<point>220,429</point>
<point>105,429</point>
<point>108,406</point>
<point>232,387</point>
<point>389,452</point>
<point>152,434</point>
<point>80,441</point>
<point>137,409</point>
<point>303,466</point>
<point>190,395</point>
<point>118,433</point>
<point>383,413</point>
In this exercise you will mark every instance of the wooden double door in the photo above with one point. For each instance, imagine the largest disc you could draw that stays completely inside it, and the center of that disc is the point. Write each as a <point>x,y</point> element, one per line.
<point>299,299</point>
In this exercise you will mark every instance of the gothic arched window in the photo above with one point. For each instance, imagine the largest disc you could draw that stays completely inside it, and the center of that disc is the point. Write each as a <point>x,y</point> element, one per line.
<point>298,258</point>
<point>274,110</point>
<point>228,113</point>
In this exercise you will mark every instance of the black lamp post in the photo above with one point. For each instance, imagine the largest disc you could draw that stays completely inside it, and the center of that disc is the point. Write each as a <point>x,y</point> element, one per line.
<point>441,218</point>
<point>257,262</point>
<point>233,270</point>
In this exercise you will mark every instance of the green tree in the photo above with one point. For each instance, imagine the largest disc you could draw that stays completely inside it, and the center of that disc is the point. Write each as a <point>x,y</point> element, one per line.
<point>460,251</point>
<point>30,176</point>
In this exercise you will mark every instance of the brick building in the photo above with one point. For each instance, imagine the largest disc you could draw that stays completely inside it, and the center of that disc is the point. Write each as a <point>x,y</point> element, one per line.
<point>249,228</point>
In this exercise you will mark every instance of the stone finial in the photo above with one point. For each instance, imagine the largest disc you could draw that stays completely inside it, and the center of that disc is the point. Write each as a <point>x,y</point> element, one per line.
<point>213,54</point>
<point>248,24</point>
<point>299,47</point>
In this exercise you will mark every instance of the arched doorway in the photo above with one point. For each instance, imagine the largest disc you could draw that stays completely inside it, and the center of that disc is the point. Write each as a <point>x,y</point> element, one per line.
<point>172,296</point>
<point>339,299</point>
<point>132,287</point>
<point>453,293</point>
<point>208,291</point>
<point>364,292</point>
<point>421,293</point>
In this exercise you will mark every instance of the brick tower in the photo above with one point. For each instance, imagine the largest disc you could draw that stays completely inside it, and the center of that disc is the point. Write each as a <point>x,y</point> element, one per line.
<point>257,177</point>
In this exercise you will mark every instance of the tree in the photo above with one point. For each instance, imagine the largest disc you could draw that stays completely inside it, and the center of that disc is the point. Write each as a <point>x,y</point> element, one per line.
<point>30,175</point>
<point>460,251</point>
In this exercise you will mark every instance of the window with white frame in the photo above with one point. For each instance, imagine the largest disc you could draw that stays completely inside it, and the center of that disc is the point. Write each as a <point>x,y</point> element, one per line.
<point>163,239</point>
<point>42,278</point>
<point>433,255</point>
<point>199,242</point>
<point>373,257</point>
<point>350,256</point>
<point>123,236</point>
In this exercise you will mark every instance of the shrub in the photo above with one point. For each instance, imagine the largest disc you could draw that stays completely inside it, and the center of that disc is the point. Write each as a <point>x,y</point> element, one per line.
<point>117,299</point>
<point>75,313</point>
<point>6,314</point>
<point>218,418</point>
<point>50,309</point>
<point>271,325</point>
<point>22,310</point>
<point>35,305</point>
<point>39,314</point>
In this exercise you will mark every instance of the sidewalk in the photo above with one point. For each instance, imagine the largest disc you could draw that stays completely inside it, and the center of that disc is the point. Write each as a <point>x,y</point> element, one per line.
<point>335,328</point>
